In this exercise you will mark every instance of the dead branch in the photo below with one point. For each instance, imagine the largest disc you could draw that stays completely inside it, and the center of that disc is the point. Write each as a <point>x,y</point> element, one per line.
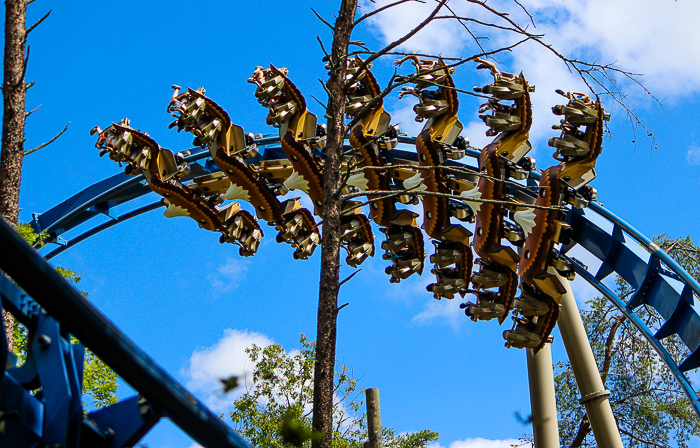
<point>582,68</point>
<point>398,81</point>
<point>319,101</point>
<point>347,279</point>
<point>325,53</point>
<point>607,358</point>
<point>526,12</point>
<point>476,39</point>
<point>395,44</point>
<point>403,53</point>
<point>38,22</point>
<point>385,7</point>
<point>583,429</point>
<point>322,19</point>
<point>32,111</point>
<point>644,441</point>
<point>43,145</point>
<point>384,194</point>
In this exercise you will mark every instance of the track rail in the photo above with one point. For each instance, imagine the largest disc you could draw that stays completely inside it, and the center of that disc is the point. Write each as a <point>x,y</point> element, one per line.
<point>657,280</point>
<point>57,366</point>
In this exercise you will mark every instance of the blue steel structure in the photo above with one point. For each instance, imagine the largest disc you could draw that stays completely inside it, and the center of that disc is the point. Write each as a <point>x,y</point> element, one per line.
<point>40,401</point>
<point>55,415</point>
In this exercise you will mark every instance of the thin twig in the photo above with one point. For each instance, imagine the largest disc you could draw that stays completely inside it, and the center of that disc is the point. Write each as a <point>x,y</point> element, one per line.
<point>384,194</point>
<point>43,145</point>
<point>323,20</point>
<point>526,12</point>
<point>325,53</point>
<point>32,111</point>
<point>38,22</point>
<point>319,102</point>
<point>347,279</point>
<point>378,10</point>
<point>396,43</point>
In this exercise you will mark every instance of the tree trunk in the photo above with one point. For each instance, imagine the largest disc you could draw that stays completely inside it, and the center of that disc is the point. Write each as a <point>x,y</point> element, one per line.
<point>13,92</point>
<point>330,248</point>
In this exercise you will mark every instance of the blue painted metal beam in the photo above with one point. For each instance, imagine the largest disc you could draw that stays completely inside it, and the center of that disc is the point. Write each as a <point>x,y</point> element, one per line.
<point>41,281</point>
<point>638,261</point>
<point>106,225</point>
<point>651,274</point>
<point>645,331</point>
<point>53,364</point>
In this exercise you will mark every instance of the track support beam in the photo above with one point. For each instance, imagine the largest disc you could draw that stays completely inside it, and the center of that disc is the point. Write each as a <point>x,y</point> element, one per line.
<point>543,402</point>
<point>593,393</point>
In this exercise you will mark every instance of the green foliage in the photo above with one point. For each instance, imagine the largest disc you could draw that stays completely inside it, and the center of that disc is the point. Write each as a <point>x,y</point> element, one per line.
<point>30,236</point>
<point>276,409</point>
<point>294,432</point>
<point>648,404</point>
<point>99,381</point>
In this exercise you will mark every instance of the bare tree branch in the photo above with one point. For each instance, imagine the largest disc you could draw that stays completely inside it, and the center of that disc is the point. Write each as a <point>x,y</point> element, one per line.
<point>385,7</point>
<point>584,69</point>
<point>583,429</point>
<point>348,279</point>
<point>526,12</point>
<point>325,53</point>
<point>38,22</point>
<point>43,145</point>
<point>644,441</point>
<point>323,20</point>
<point>32,111</point>
<point>384,194</point>
<point>396,43</point>
<point>398,81</point>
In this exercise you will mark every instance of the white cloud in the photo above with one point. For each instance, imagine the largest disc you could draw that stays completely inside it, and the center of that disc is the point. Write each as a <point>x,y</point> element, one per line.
<point>208,365</point>
<point>693,155</point>
<point>478,442</point>
<point>405,117</point>
<point>441,310</point>
<point>229,274</point>
<point>598,30</point>
<point>602,31</point>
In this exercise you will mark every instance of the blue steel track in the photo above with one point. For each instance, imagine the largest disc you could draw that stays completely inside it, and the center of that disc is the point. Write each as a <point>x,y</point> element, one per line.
<point>658,281</point>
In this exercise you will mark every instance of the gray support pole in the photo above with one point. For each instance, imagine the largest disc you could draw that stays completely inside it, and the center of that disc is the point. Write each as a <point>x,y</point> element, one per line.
<point>374,419</point>
<point>594,396</point>
<point>543,402</point>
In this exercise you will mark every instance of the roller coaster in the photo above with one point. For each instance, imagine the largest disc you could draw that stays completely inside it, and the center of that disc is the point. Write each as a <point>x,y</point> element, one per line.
<point>525,223</point>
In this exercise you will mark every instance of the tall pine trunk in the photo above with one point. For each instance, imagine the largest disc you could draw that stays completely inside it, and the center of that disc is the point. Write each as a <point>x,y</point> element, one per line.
<point>13,93</point>
<point>332,207</point>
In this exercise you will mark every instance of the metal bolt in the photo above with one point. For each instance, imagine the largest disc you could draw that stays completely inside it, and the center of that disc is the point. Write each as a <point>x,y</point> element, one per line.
<point>44,340</point>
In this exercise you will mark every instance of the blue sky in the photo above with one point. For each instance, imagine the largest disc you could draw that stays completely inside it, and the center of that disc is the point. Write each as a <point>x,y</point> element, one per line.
<point>194,304</point>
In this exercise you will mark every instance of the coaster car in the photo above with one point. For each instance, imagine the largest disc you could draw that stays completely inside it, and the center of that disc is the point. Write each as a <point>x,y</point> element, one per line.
<point>358,237</point>
<point>404,248</point>
<point>489,305</point>
<point>453,264</point>
<point>241,228</point>
<point>198,115</point>
<point>492,274</point>
<point>539,316</point>
<point>298,228</point>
